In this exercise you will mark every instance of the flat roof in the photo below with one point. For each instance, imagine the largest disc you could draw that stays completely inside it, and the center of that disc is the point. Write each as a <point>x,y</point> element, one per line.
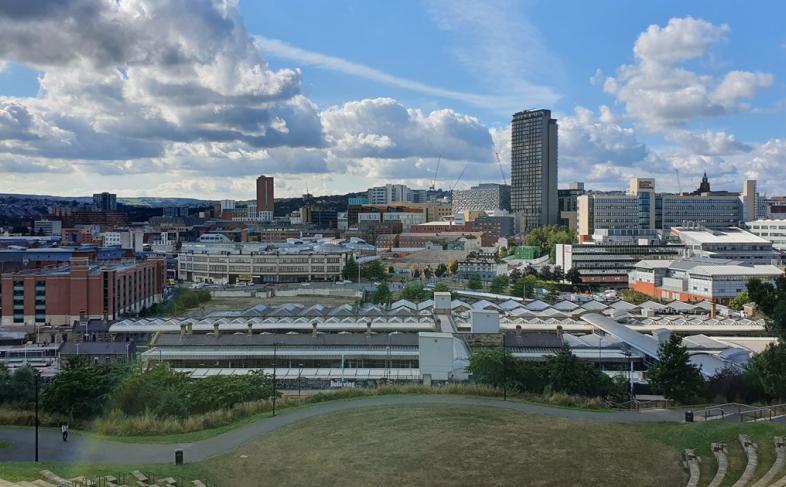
<point>717,236</point>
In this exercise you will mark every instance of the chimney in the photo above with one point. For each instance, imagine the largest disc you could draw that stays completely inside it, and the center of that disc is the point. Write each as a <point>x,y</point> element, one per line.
<point>368,327</point>
<point>215,328</point>
<point>713,310</point>
<point>559,333</point>
<point>314,327</point>
<point>189,328</point>
<point>250,328</point>
<point>518,329</point>
<point>182,329</point>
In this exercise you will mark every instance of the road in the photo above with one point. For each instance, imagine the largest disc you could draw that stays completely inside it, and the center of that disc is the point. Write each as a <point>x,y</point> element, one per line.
<point>86,449</point>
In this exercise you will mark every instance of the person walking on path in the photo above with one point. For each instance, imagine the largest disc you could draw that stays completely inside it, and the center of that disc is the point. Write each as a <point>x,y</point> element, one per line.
<point>64,430</point>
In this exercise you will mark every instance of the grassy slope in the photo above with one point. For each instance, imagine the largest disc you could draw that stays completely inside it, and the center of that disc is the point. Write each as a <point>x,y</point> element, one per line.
<point>450,445</point>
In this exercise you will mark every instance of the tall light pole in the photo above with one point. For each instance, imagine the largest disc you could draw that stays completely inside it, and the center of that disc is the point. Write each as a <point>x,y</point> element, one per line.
<point>275,347</point>
<point>35,374</point>
<point>299,374</point>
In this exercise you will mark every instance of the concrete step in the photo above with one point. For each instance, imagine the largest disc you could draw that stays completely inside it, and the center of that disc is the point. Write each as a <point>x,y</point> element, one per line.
<point>777,465</point>
<point>750,449</point>
<point>719,450</point>
<point>691,462</point>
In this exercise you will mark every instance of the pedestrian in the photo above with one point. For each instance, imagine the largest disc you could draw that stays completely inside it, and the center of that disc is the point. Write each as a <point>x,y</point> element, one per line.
<point>64,430</point>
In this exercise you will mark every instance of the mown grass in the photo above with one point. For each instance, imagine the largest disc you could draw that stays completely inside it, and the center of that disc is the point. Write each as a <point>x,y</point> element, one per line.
<point>700,436</point>
<point>148,428</point>
<point>426,445</point>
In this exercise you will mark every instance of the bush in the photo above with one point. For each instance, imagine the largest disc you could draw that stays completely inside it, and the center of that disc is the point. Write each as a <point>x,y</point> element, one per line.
<point>82,390</point>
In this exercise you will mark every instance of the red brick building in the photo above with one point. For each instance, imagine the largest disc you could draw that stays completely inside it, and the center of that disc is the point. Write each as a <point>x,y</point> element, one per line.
<point>79,290</point>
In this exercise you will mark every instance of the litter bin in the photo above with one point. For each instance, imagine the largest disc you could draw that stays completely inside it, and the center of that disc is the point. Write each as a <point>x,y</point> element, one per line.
<point>179,456</point>
<point>688,416</point>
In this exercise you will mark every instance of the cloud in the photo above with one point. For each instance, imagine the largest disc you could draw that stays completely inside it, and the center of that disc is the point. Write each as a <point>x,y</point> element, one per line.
<point>502,47</point>
<point>709,143</point>
<point>661,94</point>
<point>280,49</point>
<point>384,128</point>
<point>125,80</point>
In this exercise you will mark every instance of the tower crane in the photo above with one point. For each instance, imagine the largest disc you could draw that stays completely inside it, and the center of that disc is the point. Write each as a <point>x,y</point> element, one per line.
<point>501,171</point>
<point>434,182</point>
<point>679,184</point>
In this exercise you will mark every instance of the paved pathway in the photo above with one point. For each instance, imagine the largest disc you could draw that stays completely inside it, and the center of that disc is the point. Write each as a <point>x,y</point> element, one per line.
<point>85,449</point>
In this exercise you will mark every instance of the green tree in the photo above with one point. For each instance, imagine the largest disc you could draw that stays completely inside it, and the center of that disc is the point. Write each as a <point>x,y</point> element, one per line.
<point>571,375</point>
<point>350,271</point>
<point>82,390</point>
<point>415,292</point>
<point>474,282</point>
<point>499,284</point>
<point>573,276</point>
<point>739,301</point>
<point>374,271</point>
<point>634,297</point>
<point>382,295</point>
<point>546,238</point>
<point>768,371</point>
<point>673,374</point>
<point>441,270</point>
<point>453,266</point>
<point>441,287</point>
<point>771,300</point>
<point>494,367</point>
<point>17,387</point>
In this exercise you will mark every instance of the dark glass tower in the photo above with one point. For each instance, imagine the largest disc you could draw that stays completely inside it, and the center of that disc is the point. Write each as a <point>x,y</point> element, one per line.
<point>533,194</point>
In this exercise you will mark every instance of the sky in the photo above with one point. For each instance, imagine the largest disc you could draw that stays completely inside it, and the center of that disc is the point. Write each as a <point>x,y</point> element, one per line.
<point>195,98</point>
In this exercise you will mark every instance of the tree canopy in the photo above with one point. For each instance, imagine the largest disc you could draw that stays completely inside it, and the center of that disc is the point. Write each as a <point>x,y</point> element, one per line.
<point>548,237</point>
<point>673,374</point>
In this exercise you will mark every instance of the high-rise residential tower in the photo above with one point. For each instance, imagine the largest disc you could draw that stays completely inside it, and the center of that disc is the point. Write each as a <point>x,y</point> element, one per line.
<point>533,194</point>
<point>105,201</point>
<point>264,194</point>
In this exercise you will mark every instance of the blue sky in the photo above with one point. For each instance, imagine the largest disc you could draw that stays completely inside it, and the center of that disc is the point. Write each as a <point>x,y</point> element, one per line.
<point>340,95</point>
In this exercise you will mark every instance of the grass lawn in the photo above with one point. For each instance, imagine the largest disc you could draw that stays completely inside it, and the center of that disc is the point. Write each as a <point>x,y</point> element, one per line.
<point>458,445</point>
<point>450,445</point>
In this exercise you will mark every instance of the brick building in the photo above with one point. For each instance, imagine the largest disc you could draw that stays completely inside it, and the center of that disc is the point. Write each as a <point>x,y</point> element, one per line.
<point>80,290</point>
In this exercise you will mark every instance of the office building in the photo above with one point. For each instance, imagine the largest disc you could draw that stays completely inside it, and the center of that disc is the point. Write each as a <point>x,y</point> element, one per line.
<point>641,207</point>
<point>105,201</point>
<point>569,206</point>
<point>384,195</point>
<point>265,201</point>
<point>80,290</point>
<point>725,243</point>
<point>483,197</point>
<point>612,254</point>
<point>697,279</point>
<point>48,227</point>
<point>533,192</point>
<point>772,230</point>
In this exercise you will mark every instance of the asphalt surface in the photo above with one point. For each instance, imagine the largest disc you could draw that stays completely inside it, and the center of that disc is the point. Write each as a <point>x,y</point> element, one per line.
<point>86,449</point>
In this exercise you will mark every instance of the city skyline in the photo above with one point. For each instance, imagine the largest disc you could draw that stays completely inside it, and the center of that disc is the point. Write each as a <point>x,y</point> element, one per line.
<point>169,112</point>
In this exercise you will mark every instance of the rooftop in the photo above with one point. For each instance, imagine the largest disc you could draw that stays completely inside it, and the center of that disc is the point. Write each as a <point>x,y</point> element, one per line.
<point>731,235</point>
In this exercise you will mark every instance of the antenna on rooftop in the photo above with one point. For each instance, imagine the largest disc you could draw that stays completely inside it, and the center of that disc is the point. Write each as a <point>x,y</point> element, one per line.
<point>434,182</point>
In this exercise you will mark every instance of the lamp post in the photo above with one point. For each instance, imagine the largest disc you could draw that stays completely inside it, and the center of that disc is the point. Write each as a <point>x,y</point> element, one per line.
<point>299,374</point>
<point>275,347</point>
<point>504,373</point>
<point>35,374</point>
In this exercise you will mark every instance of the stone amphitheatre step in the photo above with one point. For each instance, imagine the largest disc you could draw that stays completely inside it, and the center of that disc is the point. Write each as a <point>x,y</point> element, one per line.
<point>719,450</point>
<point>43,483</point>
<point>777,465</point>
<point>753,460</point>
<point>691,462</point>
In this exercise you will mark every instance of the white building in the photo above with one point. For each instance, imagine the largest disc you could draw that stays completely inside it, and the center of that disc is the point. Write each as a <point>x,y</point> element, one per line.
<point>48,227</point>
<point>384,195</point>
<point>726,243</point>
<point>697,279</point>
<point>772,230</point>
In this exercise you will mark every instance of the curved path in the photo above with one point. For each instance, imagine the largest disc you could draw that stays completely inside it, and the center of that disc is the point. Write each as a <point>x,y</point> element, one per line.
<point>85,449</point>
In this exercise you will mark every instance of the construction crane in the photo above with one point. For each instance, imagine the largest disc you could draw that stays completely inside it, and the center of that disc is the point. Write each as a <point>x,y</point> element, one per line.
<point>501,171</point>
<point>679,184</point>
<point>459,178</point>
<point>434,182</point>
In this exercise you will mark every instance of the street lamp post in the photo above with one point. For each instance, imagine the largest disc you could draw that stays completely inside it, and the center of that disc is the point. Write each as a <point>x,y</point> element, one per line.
<point>275,347</point>
<point>35,374</point>
<point>299,374</point>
